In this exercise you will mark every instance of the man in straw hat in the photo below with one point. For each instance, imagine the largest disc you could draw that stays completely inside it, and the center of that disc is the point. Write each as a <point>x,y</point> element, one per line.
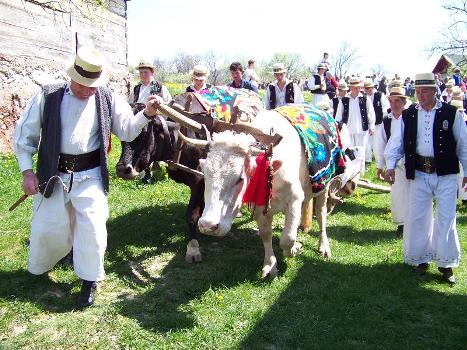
<point>433,141</point>
<point>69,126</point>
<point>317,85</point>
<point>282,91</point>
<point>147,86</point>
<point>391,125</point>
<point>199,74</point>
<point>356,110</point>
<point>342,89</point>
<point>446,95</point>
<point>380,106</point>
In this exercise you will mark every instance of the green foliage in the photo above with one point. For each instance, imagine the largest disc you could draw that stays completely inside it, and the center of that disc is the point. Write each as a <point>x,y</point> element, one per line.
<point>364,297</point>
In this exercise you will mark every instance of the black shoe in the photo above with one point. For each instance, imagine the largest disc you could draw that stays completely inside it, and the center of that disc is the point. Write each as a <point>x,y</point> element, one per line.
<point>399,231</point>
<point>421,269</point>
<point>448,275</point>
<point>87,294</point>
<point>67,260</point>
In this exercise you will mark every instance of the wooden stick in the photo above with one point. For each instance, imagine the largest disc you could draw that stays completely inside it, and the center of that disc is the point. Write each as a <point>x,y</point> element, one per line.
<point>371,186</point>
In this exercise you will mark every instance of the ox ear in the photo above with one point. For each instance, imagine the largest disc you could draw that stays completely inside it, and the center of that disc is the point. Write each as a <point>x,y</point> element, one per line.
<point>276,164</point>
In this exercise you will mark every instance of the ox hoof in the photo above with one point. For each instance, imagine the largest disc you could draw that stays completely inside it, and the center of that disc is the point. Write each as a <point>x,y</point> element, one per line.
<point>325,252</point>
<point>193,254</point>
<point>269,271</point>
<point>293,250</point>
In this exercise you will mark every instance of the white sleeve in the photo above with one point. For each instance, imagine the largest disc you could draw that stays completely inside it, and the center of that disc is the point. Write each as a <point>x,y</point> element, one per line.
<point>459,131</point>
<point>394,150</point>
<point>298,95</point>
<point>380,142</point>
<point>125,125</point>
<point>385,104</point>
<point>166,94</point>
<point>312,86</point>
<point>266,101</point>
<point>131,98</point>
<point>340,111</point>
<point>371,114</point>
<point>27,132</point>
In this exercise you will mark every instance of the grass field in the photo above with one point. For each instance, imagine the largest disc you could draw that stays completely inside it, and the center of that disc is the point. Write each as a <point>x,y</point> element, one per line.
<point>364,297</point>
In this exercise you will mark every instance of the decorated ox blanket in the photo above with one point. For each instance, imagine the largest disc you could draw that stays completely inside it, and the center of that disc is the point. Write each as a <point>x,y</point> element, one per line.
<point>227,103</point>
<point>319,135</point>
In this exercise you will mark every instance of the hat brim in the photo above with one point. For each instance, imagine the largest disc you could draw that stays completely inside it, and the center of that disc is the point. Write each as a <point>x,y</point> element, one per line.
<point>279,71</point>
<point>75,76</point>
<point>147,67</point>
<point>425,85</point>
<point>399,96</point>
<point>197,77</point>
<point>343,89</point>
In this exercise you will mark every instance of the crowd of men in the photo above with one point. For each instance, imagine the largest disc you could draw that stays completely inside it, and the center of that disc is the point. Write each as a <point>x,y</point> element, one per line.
<point>69,126</point>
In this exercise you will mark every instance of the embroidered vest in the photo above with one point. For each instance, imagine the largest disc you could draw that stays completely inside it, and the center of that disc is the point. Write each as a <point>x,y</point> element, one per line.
<point>156,89</point>
<point>444,144</point>
<point>363,111</point>
<point>50,144</point>
<point>289,95</point>
<point>318,82</point>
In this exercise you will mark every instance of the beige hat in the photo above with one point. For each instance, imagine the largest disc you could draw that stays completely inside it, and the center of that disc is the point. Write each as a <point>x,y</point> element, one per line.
<point>321,66</point>
<point>88,68</point>
<point>450,83</point>
<point>355,81</point>
<point>457,93</point>
<point>199,72</point>
<point>278,68</point>
<point>395,83</point>
<point>144,64</point>
<point>342,86</point>
<point>397,91</point>
<point>425,80</point>
<point>368,83</point>
<point>458,104</point>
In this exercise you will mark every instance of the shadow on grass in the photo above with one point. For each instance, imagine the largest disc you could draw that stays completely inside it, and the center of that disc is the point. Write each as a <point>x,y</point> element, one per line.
<point>336,306</point>
<point>346,233</point>
<point>353,208</point>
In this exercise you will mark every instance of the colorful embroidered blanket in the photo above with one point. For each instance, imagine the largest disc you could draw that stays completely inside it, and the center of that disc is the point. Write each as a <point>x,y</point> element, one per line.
<point>319,135</point>
<point>227,102</point>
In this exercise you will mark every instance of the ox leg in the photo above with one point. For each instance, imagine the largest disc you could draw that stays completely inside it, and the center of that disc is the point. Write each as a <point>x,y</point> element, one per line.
<point>193,213</point>
<point>288,242</point>
<point>307,215</point>
<point>321,216</point>
<point>265,232</point>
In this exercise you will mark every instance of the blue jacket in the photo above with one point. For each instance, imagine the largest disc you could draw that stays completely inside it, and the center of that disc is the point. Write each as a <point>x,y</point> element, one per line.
<point>244,85</point>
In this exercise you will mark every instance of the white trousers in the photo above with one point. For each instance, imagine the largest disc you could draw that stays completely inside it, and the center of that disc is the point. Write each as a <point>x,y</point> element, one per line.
<point>426,239</point>
<point>370,145</point>
<point>360,140</point>
<point>317,98</point>
<point>399,195</point>
<point>461,193</point>
<point>65,220</point>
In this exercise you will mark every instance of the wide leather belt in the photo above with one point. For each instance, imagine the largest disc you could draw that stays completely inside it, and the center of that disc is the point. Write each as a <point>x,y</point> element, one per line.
<point>73,163</point>
<point>425,164</point>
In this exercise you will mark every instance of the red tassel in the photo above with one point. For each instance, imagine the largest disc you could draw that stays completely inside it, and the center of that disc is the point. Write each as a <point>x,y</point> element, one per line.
<point>256,191</point>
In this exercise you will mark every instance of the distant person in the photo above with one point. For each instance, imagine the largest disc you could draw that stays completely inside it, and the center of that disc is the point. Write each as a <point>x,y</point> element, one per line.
<point>236,71</point>
<point>317,85</point>
<point>342,89</point>
<point>282,91</point>
<point>250,74</point>
<point>457,77</point>
<point>199,75</point>
<point>325,61</point>
<point>446,95</point>
<point>383,86</point>
<point>331,85</point>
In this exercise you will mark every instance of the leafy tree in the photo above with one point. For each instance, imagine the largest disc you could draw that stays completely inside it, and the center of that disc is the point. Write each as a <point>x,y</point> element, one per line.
<point>345,59</point>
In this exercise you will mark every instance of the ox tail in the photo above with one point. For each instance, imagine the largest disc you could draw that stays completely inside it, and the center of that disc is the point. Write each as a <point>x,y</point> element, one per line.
<point>307,215</point>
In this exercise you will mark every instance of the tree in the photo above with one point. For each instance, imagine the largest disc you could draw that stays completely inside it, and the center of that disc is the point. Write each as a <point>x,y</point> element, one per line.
<point>296,68</point>
<point>345,58</point>
<point>183,63</point>
<point>212,62</point>
<point>453,39</point>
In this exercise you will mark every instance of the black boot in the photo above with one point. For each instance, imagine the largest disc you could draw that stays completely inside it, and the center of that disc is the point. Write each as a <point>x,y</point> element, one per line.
<point>87,294</point>
<point>448,275</point>
<point>421,269</point>
<point>399,231</point>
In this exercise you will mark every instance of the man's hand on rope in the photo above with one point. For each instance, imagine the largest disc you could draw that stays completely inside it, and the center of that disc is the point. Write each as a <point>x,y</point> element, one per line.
<point>153,103</point>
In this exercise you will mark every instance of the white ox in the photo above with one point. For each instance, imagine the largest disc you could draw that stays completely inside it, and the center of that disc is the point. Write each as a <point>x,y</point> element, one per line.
<point>230,162</point>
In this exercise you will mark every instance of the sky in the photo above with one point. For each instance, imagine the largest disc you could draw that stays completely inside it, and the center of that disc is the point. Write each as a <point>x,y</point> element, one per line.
<point>395,34</point>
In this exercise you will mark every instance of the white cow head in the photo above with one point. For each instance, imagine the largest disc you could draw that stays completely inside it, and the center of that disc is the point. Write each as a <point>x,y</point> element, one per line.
<point>226,170</point>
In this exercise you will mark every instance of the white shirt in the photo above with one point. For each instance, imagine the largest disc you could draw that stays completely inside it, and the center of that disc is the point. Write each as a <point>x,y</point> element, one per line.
<point>145,92</point>
<point>80,130</point>
<point>355,119</point>
<point>380,140</point>
<point>395,147</point>
<point>250,75</point>
<point>280,95</point>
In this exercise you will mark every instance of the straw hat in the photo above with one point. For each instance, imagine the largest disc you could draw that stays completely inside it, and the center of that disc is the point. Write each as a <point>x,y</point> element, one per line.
<point>321,66</point>
<point>342,86</point>
<point>397,91</point>
<point>144,64</point>
<point>395,83</point>
<point>278,68</point>
<point>355,81</point>
<point>368,83</point>
<point>450,83</point>
<point>457,93</point>
<point>88,68</point>
<point>199,72</point>
<point>425,80</point>
<point>458,104</point>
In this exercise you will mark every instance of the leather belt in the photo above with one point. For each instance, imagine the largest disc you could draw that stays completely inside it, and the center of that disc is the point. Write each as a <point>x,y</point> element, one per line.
<point>425,164</point>
<point>69,163</point>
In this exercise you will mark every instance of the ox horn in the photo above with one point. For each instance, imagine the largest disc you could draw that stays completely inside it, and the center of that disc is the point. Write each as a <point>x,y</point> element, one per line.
<point>193,142</point>
<point>257,133</point>
<point>180,118</point>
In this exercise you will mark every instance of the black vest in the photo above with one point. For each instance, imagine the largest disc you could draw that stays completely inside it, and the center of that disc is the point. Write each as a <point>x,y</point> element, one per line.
<point>289,95</point>
<point>318,82</point>
<point>50,144</point>
<point>363,111</point>
<point>335,104</point>
<point>387,126</point>
<point>156,89</point>
<point>378,107</point>
<point>444,144</point>
<point>190,89</point>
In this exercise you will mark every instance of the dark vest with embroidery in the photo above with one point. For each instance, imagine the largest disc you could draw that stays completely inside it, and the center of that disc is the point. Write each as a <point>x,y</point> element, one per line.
<point>318,82</point>
<point>156,89</point>
<point>289,95</point>
<point>444,144</point>
<point>363,111</point>
<point>378,107</point>
<point>335,104</point>
<point>51,131</point>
